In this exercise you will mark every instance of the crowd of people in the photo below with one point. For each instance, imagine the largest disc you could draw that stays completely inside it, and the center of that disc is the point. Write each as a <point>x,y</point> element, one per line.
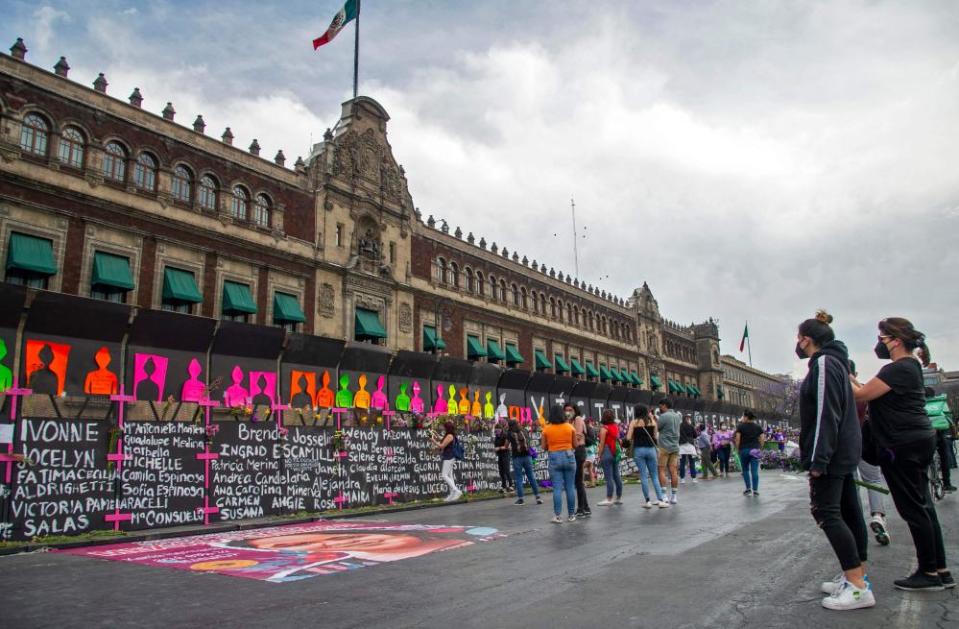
<point>851,433</point>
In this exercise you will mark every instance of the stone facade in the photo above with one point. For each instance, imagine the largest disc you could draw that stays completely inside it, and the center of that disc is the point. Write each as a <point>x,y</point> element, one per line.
<point>753,388</point>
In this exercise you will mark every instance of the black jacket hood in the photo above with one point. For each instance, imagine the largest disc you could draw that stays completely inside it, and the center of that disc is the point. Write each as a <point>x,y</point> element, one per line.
<point>836,349</point>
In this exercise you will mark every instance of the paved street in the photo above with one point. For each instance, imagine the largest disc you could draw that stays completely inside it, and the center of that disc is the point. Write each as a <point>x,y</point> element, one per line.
<point>718,560</point>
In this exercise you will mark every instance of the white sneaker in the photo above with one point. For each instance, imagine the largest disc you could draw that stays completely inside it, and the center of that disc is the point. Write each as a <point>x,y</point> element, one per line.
<point>831,587</point>
<point>674,499</point>
<point>604,503</point>
<point>662,504</point>
<point>557,520</point>
<point>456,496</point>
<point>695,481</point>
<point>682,481</point>
<point>849,597</point>
<point>648,505</point>
<point>618,501</point>
<point>878,525</point>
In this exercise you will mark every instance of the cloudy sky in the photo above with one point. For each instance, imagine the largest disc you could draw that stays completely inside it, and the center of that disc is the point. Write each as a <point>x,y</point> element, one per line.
<point>749,160</point>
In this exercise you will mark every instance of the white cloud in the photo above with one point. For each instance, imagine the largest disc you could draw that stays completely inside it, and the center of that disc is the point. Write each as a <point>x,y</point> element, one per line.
<point>45,19</point>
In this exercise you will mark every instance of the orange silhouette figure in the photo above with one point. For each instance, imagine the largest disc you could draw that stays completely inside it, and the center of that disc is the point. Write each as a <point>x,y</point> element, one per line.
<point>362,397</point>
<point>102,381</point>
<point>477,410</point>
<point>464,402</point>
<point>324,397</point>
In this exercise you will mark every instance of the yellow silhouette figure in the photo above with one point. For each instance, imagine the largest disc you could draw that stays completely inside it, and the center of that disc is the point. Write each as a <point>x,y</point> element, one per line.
<point>362,397</point>
<point>489,411</point>
<point>464,401</point>
<point>452,407</point>
<point>102,381</point>
<point>477,410</point>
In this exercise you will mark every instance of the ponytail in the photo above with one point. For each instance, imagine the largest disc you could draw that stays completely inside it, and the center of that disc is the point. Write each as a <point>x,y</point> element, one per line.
<point>911,338</point>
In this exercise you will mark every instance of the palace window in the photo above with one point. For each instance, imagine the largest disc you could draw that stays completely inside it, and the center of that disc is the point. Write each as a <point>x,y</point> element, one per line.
<point>145,172</point>
<point>208,190</point>
<point>70,152</point>
<point>115,162</point>
<point>182,184</point>
<point>34,133</point>
<point>261,210</point>
<point>241,203</point>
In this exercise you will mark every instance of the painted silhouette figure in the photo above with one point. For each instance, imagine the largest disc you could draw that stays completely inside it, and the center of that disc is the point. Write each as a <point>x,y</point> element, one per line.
<point>464,401</point>
<point>489,412</point>
<point>380,402</point>
<point>477,409</point>
<point>362,397</point>
<point>235,394</point>
<point>416,404</point>
<point>501,411</point>
<point>43,379</point>
<point>147,389</point>
<point>101,381</point>
<point>193,389</point>
<point>300,395</point>
<point>6,375</point>
<point>451,405</point>
<point>263,395</point>
<point>440,405</point>
<point>324,397</point>
<point>402,402</point>
<point>344,399</point>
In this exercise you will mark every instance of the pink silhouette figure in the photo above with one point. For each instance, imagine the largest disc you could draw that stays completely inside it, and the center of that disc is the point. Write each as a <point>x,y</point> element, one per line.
<point>380,402</point>
<point>416,404</point>
<point>440,406</point>
<point>236,395</point>
<point>193,389</point>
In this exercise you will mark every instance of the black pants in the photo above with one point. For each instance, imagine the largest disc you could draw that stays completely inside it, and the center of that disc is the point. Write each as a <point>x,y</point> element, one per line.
<point>834,502</point>
<point>907,474</point>
<point>942,444</point>
<point>722,453</point>
<point>505,477</point>
<point>582,504</point>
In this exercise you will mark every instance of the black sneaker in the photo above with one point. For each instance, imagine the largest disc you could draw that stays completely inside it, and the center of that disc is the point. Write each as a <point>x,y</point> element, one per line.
<point>588,513</point>
<point>950,488</point>
<point>920,582</point>
<point>580,514</point>
<point>539,500</point>
<point>519,501</point>
<point>755,493</point>
<point>947,581</point>
<point>748,492</point>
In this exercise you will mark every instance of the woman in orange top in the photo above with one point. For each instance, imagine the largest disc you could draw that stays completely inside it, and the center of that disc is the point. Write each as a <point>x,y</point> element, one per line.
<point>558,437</point>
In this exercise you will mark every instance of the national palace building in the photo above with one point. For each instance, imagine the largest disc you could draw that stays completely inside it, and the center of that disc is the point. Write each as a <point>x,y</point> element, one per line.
<point>101,198</point>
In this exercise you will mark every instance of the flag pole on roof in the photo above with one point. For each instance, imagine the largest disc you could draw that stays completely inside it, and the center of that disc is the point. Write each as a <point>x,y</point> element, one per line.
<point>744,343</point>
<point>350,11</point>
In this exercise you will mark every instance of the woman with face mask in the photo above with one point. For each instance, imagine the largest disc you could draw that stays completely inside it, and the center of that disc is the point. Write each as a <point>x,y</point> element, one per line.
<point>830,444</point>
<point>722,445</point>
<point>579,446</point>
<point>905,442</point>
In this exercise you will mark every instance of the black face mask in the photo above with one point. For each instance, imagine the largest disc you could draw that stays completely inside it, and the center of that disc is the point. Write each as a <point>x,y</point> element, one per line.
<point>799,351</point>
<point>882,352</point>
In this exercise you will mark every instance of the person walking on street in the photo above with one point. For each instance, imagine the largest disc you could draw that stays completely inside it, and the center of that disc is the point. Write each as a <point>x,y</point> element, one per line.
<point>722,444</point>
<point>522,461</point>
<point>903,442</point>
<point>749,441</point>
<point>572,415</point>
<point>448,459</point>
<point>609,456</point>
<point>871,474</point>
<point>704,444</point>
<point>687,449</point>
<point>830,444</point>
<point>668,424</point>
<point>642,434</point>
<point>501,446</point>
<point>557,440</point>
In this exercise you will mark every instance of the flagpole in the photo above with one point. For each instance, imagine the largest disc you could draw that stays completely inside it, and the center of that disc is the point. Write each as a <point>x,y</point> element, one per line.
<point>749,346</point>
<point>356,50</point>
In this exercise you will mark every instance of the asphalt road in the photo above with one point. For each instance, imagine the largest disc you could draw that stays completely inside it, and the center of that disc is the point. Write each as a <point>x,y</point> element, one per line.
<point>717,560</point>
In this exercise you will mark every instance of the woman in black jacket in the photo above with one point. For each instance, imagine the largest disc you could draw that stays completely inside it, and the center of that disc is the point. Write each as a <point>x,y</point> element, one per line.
<point>830,445</point>
<point>904,444</point>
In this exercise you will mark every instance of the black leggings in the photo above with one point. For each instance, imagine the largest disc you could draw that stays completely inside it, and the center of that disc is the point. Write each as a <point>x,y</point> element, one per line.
<point>907,475</point>
<point>505,478</point>
<point>582,504</point>
<point>834,502</point>
<point>722,454</point>
<point>942,445</point>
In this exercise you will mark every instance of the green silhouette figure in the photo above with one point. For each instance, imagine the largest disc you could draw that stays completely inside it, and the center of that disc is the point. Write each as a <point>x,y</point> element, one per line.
<point>402,399</point>
<point>489,411</point>
<point>6,376</point>
<point>344,399</point>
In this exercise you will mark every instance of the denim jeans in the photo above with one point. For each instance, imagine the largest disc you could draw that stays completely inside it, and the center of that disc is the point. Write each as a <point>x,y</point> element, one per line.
<point>562,472</point>
<point>611,474</point>
<point>687,460</point>
<point>523,464</point>
<point>750,465</point>
<point>645,459</point>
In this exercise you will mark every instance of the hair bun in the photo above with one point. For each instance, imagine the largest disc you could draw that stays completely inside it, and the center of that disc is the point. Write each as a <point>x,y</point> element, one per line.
<point>825,317</point>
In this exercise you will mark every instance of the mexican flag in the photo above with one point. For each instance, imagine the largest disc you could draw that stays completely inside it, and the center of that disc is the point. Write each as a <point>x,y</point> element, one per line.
<point>349,11</point>
<point>742,343</point>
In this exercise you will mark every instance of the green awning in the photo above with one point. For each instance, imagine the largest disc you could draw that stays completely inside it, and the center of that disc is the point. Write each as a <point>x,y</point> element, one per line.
<point>474,348</point>
<point>237,299</point>
<point>286,307</point>
<point>577,369</point>
<point>695,389</point>
<point>430,342</point>
<point>636,379</point>
<point>494,351</point>
<point>111,270</point>
<point>180,285</point>
<point>591,371</point>
<point>604,373</point>
<point>673,387</point>
<point>614,372</point>
<point>29,253</point>
<point>512,355</point>
<point>367,323</point>
<point>656,382</point>
<point>541,362</point>
<point>561,365</point>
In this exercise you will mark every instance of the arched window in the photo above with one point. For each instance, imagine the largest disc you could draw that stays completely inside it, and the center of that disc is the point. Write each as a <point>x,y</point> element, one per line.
<point>515,290</point>
<point>576,315</point>
<point>454,275</point>
<point>552,307</point>
<point>182,184</point>
<point>33,134</point>
<point>569,313</point>
<point>114,162</point>
<point>261,210</point>
<point>605,327</point>
<point>525,298</point>
<point>480,285</point>
<point>542,304</point>
<point>70,151</point>
<point>502,291</point>
<point>492,288</point>
<point>559,309</point>
<point>241,203</point>
<point>207,196</point>
<point>441,270</point>
<point>145,172</point>
<point>470,280</point>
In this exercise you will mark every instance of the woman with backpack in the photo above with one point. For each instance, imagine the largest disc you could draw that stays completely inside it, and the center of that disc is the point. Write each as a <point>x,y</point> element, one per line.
<point>609,456</point>
<point>557,440</point>
<point>572,415</point>
<point>446,447</point>
<point>522,461</point>
<point>642,434</point>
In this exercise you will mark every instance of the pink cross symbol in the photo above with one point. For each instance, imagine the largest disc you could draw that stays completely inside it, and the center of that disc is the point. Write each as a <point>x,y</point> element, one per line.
<point>11,458</point>
<point>389,495</point>
<point>389,417</point>
<point>339,413</point>
<point>471,487</point>
<point>207,456</point>
<point>14,393</point>
<point>340,500</point>
<point>116,517</point>
<point>342,454</point>
<point>119,456</point>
